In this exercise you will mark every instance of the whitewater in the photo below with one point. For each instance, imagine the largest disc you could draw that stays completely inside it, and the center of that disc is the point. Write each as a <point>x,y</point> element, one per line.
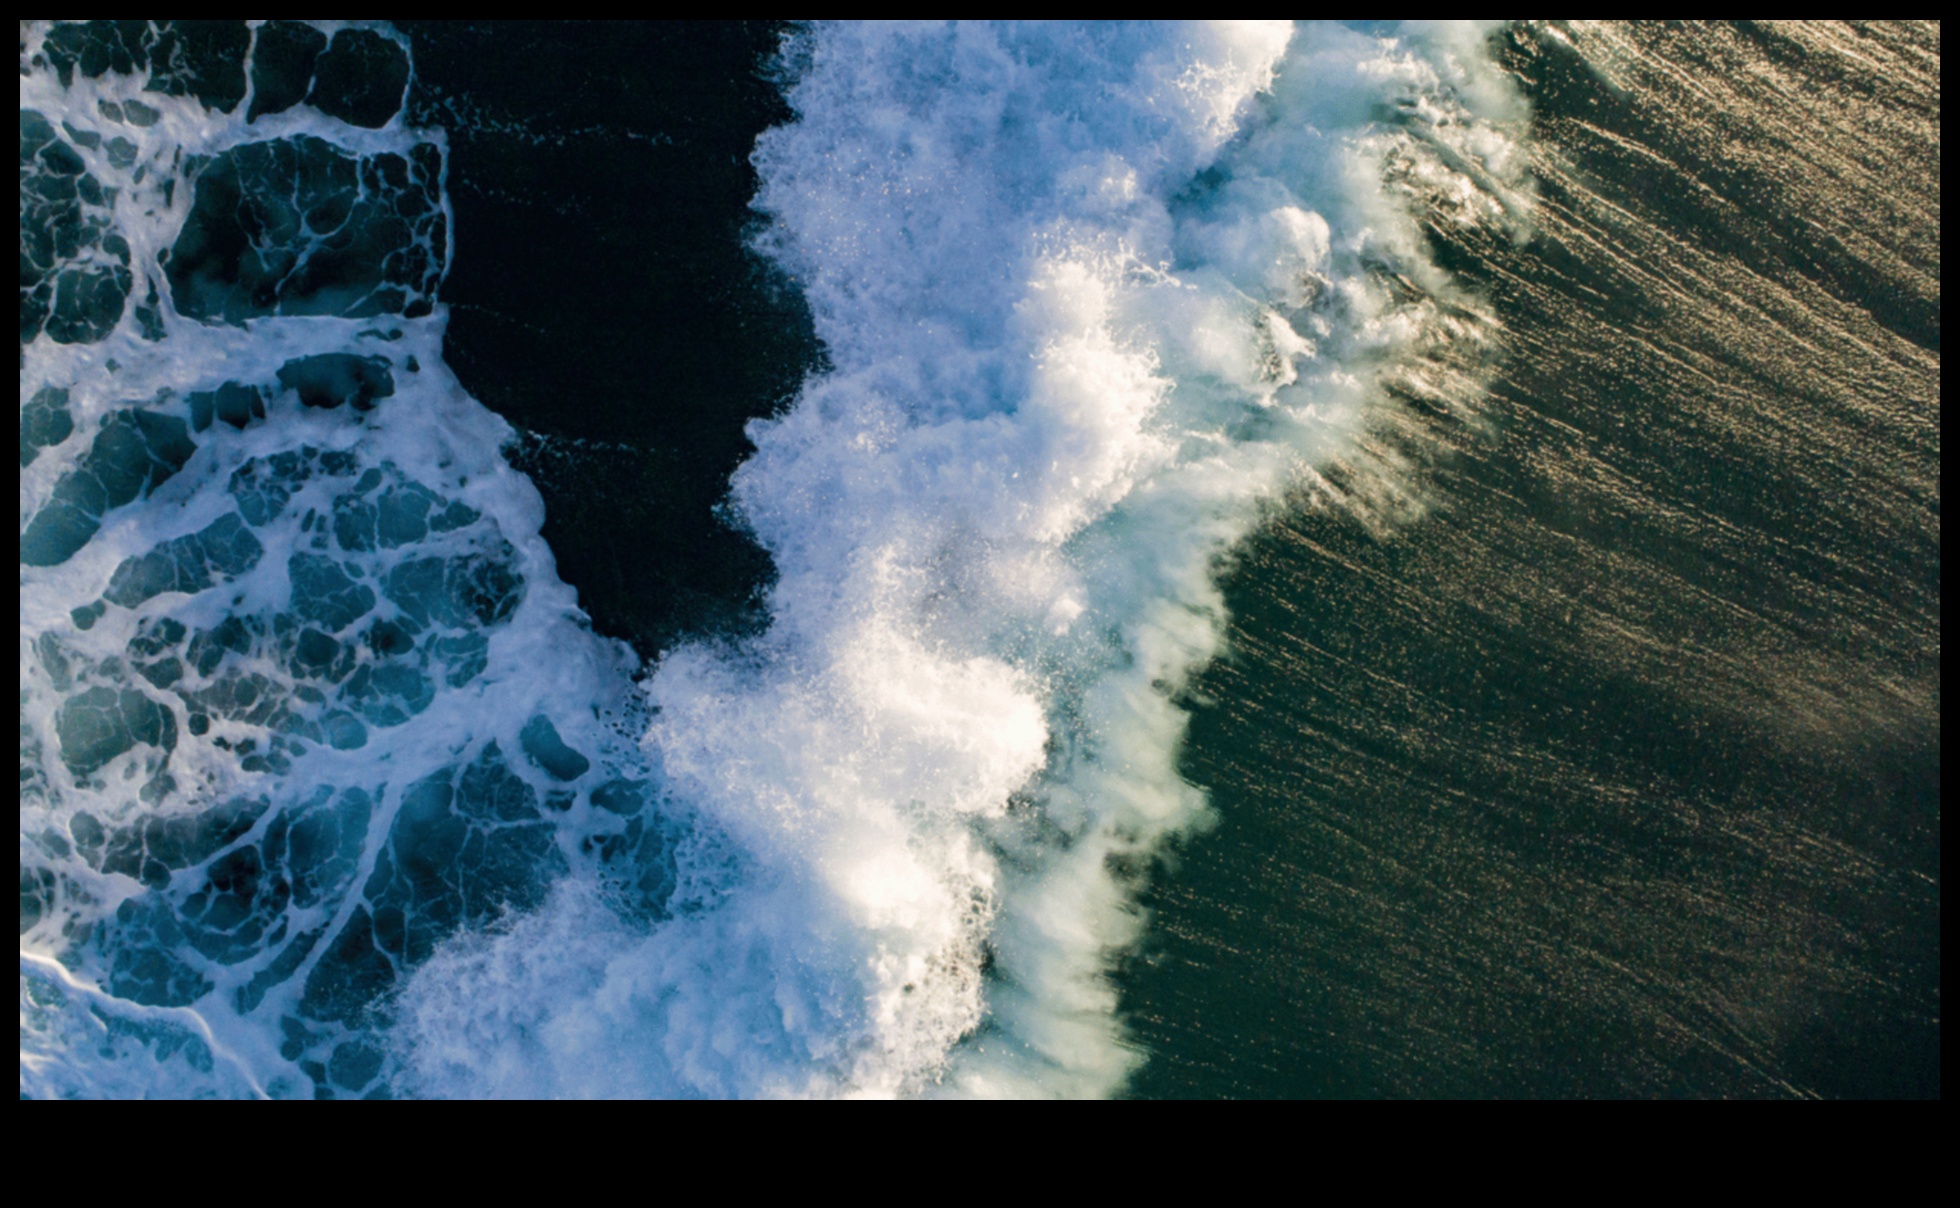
<point>328,787</point>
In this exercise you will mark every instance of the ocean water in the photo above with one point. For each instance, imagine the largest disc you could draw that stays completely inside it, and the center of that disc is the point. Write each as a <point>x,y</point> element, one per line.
<point>1341,560</point>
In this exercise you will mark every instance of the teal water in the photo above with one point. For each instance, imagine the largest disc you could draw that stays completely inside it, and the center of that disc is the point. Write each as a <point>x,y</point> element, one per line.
<point>1616,772</point>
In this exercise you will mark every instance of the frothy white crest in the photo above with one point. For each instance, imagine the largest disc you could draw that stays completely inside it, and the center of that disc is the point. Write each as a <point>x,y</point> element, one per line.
<point>1092,297</point>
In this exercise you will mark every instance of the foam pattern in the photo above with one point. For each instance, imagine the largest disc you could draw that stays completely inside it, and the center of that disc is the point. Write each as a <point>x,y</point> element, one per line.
<point>282,599</point>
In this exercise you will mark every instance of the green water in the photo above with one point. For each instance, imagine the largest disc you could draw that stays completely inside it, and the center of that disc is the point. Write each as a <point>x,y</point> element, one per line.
<point>1609,765</point>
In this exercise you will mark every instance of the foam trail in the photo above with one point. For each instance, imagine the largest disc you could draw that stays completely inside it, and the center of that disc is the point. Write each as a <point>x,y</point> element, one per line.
<point>1092,297</point>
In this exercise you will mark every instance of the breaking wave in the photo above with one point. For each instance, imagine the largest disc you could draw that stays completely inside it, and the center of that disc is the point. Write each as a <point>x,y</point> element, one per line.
<point>327,786</point>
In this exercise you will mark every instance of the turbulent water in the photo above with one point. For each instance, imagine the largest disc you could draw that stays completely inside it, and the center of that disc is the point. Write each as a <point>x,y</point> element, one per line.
<point>1516,447</point>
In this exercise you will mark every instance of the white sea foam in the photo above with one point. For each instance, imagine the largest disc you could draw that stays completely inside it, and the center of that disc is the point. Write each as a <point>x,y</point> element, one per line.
<point>166,990</point>
<point>1093,298</point>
